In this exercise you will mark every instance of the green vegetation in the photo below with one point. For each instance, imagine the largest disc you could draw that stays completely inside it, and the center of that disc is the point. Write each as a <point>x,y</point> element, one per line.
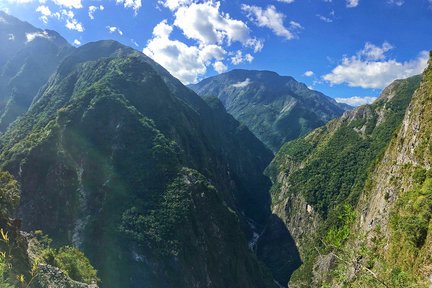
<point>72,262</point>
<point>275,108</point>
<point>9,195</point>
<point>339,226</point>
<point>331,166</point>
<point>336,171</point>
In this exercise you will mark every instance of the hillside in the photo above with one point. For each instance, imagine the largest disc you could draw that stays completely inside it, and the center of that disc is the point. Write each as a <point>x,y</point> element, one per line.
<point>28,57</point>
<point>275,108</point>
<point>120,159</point>
<point>319,179</point>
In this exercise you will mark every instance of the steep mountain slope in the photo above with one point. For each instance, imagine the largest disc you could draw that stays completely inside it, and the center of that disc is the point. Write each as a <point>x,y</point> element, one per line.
<point>394,239</point>
<point>158,187</point>
<point>28,260</point>
<point>319,179</point>
<point>28,57</point>
<point>275,108</point>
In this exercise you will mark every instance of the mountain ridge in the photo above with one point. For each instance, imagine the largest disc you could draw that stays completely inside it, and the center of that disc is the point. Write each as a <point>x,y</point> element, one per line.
<point>275,108</point>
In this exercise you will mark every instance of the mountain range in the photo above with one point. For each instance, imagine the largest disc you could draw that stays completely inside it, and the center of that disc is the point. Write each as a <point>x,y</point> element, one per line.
<point>121,176</point>
<point>275,108</point>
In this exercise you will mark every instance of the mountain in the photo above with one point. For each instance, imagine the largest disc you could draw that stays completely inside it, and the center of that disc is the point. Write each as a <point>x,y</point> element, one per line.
<point>342,191</point>
<point>28,259</point>
<point>158,187</point>
<point>28,57</point>
<point>275,108</point>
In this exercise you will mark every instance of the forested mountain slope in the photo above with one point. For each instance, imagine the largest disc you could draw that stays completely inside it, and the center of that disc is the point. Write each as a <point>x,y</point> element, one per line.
<point>321,179</point>
<point>155,185</point>
<point>28,57</point>
<point>275,108</point>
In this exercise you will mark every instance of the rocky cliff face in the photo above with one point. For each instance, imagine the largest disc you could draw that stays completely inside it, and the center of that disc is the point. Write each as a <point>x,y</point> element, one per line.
<point>392,246</point>
<point>275,108</point>
<point>155,185</point>
<point>320,179</point>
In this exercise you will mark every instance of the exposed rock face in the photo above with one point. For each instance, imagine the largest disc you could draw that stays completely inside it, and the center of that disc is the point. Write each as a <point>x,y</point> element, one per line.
<point>319,179</point>
<point>155,185</point>
<point>275,108</point>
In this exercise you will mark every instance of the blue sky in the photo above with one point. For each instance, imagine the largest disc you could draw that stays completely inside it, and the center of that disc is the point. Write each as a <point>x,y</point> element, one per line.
<point>344,48</point>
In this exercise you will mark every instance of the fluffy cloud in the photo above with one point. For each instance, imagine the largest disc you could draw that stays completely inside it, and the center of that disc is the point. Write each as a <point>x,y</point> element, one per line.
<point>356,100</point>
<point>286,1</point>
<point>183,61</point>
<point>113,29</point>
<point>174,4</point>
<point>205,23</point>
<point>69,3</point>
<point>92,9</point>
<point>73,24</point>
<point>32,36</point>
<point>242,84</point>
<point>271,19</point>
<point>76,42</point>
<point>134,4</point>
<point>210,34</point>
<point>238,58</point>
<point>372,52</point>
<point>352,3</point>
<point>45,13</point>
<point>309,73</point>
<point>370,68</point>
<point>219,67</point>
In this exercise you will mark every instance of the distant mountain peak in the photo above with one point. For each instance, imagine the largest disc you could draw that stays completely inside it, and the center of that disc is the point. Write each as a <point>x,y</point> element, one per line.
<point>275,108</point>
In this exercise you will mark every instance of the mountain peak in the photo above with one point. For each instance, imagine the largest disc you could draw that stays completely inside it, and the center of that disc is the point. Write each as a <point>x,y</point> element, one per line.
<point>287,108</point>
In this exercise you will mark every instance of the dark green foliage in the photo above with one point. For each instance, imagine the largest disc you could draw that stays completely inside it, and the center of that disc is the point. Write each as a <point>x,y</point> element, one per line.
<point>339,225</point>
<point>100,156</point>
<point>412,214</point>
<point>9,195</point>
<point>337,169</point>
<point>72,262</point>
<point>331,166</point>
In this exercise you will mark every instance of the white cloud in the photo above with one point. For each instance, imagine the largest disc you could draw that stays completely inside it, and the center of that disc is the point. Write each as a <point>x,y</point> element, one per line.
<point>242,84</point>
<point>370,68</point>
<point>372,52</point>
<point>352,3</point>
<point>286,1</point>
<point>174,4</point>
<point>210,32</point>
<point>134,4</point>
<point>45,13</point>
<point>309,73</point>
<point>205,23</point>
<point>113,29</point>
<point>11,37</point>
<point>69,3</point>
<point>73,24</point>
<point>185,62</point>
<point>239,58</point>
<point>76,42</point>
<point>271,19</point>
<point>219,67</point>
<point>92,9</point>
<point>356,100</point>
<point>32,36</point>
